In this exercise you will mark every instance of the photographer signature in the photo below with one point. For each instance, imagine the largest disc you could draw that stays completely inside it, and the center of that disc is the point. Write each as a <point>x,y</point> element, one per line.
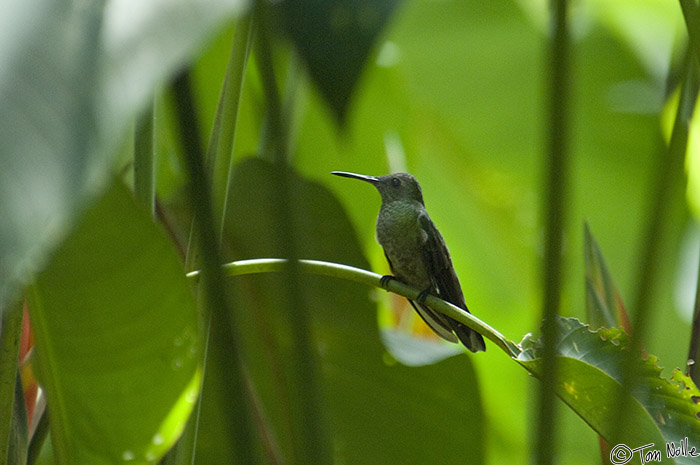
<point>622,453</point>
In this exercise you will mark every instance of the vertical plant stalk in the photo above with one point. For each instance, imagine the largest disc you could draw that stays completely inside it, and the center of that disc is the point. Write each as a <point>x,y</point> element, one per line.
<point>10,334</point>
<point>224,348</point>
<point>690,15</point>
<point>145,160</point>
<point>220,162</point>
<point>311,443</point>
<point>666,175</point>
<point>694,350</point>
<point>554,210</point>
<point>668,171</point>
<point>220,156</point>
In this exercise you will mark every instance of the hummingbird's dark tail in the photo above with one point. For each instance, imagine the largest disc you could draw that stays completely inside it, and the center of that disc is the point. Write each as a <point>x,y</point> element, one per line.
<point>470,338</point>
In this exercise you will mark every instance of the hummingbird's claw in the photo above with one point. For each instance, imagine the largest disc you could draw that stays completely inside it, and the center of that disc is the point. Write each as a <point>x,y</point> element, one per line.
<point>384,280</point>
<point>422,296</point>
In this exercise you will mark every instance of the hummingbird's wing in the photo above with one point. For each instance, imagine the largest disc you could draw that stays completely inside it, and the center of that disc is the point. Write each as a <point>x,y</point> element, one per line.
<point>436,321</point>
<point>439,264</point>
<point>445,282</point>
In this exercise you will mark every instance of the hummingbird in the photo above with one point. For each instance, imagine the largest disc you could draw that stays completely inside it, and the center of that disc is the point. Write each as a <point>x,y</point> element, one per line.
<point>417,253</point>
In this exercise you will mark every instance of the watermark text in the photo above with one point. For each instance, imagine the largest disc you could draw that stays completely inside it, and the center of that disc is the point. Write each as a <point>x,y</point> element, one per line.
<point>622,453</point>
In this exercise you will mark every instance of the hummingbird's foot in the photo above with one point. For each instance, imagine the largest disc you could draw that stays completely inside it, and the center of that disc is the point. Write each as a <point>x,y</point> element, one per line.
<point>423,295</point>
<point>384,280</point>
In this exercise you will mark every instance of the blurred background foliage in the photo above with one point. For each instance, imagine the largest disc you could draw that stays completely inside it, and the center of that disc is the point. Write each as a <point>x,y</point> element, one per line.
<point>454,93</point>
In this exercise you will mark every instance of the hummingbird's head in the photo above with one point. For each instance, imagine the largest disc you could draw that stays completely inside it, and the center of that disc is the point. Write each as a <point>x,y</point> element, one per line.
<point>392,187</point>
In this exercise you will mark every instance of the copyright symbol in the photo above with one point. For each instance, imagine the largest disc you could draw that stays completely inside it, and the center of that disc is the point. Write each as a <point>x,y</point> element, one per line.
<point>621,454</point>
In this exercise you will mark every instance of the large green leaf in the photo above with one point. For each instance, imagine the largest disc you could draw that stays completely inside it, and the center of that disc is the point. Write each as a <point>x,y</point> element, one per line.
<point>376,410</point>
<point>116,338</point>
<point>48,52</point>
<point>589,381</point>
<point>335,37</point>
<point>144,43</point>
<point>72,75</point>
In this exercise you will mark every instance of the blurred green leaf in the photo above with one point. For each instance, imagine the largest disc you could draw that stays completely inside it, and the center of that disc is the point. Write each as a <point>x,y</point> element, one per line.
<point>19,433</point>
<point>692,158</point>
<point>48,51</point>
<point>590,373</point>
<point>13,423</point>
<point>116,338</point>
<point>72,75</point>
<point>604,306</point>
<point>335,38</point>
<point>143,44</point>
<point>377,411</point>
<point>652,29</point>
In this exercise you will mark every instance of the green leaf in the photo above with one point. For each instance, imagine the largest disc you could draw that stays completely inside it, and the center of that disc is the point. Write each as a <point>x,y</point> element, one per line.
<point>116,338</point>
<point>604,306</point>
<point>589,380</point>
<point>144,43</point>
<point>19,433</point>
<point>13,425</point>
<point>335,37</point>
<point>73,75</point>
<point>47,127</point>
<point>376,410</point>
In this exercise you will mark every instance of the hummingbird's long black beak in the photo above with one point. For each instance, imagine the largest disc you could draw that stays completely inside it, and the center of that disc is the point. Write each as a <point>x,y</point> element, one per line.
<point>361,177</point>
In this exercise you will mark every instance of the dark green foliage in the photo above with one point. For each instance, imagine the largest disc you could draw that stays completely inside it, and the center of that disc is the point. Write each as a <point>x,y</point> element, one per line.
<point>335,39</point>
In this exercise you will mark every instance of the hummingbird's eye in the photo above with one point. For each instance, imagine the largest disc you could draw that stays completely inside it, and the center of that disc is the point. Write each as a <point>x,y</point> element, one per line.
<point>396,182</point>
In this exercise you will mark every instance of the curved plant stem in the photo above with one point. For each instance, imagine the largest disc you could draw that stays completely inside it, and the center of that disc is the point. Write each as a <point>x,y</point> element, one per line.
<point>368,278</point>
